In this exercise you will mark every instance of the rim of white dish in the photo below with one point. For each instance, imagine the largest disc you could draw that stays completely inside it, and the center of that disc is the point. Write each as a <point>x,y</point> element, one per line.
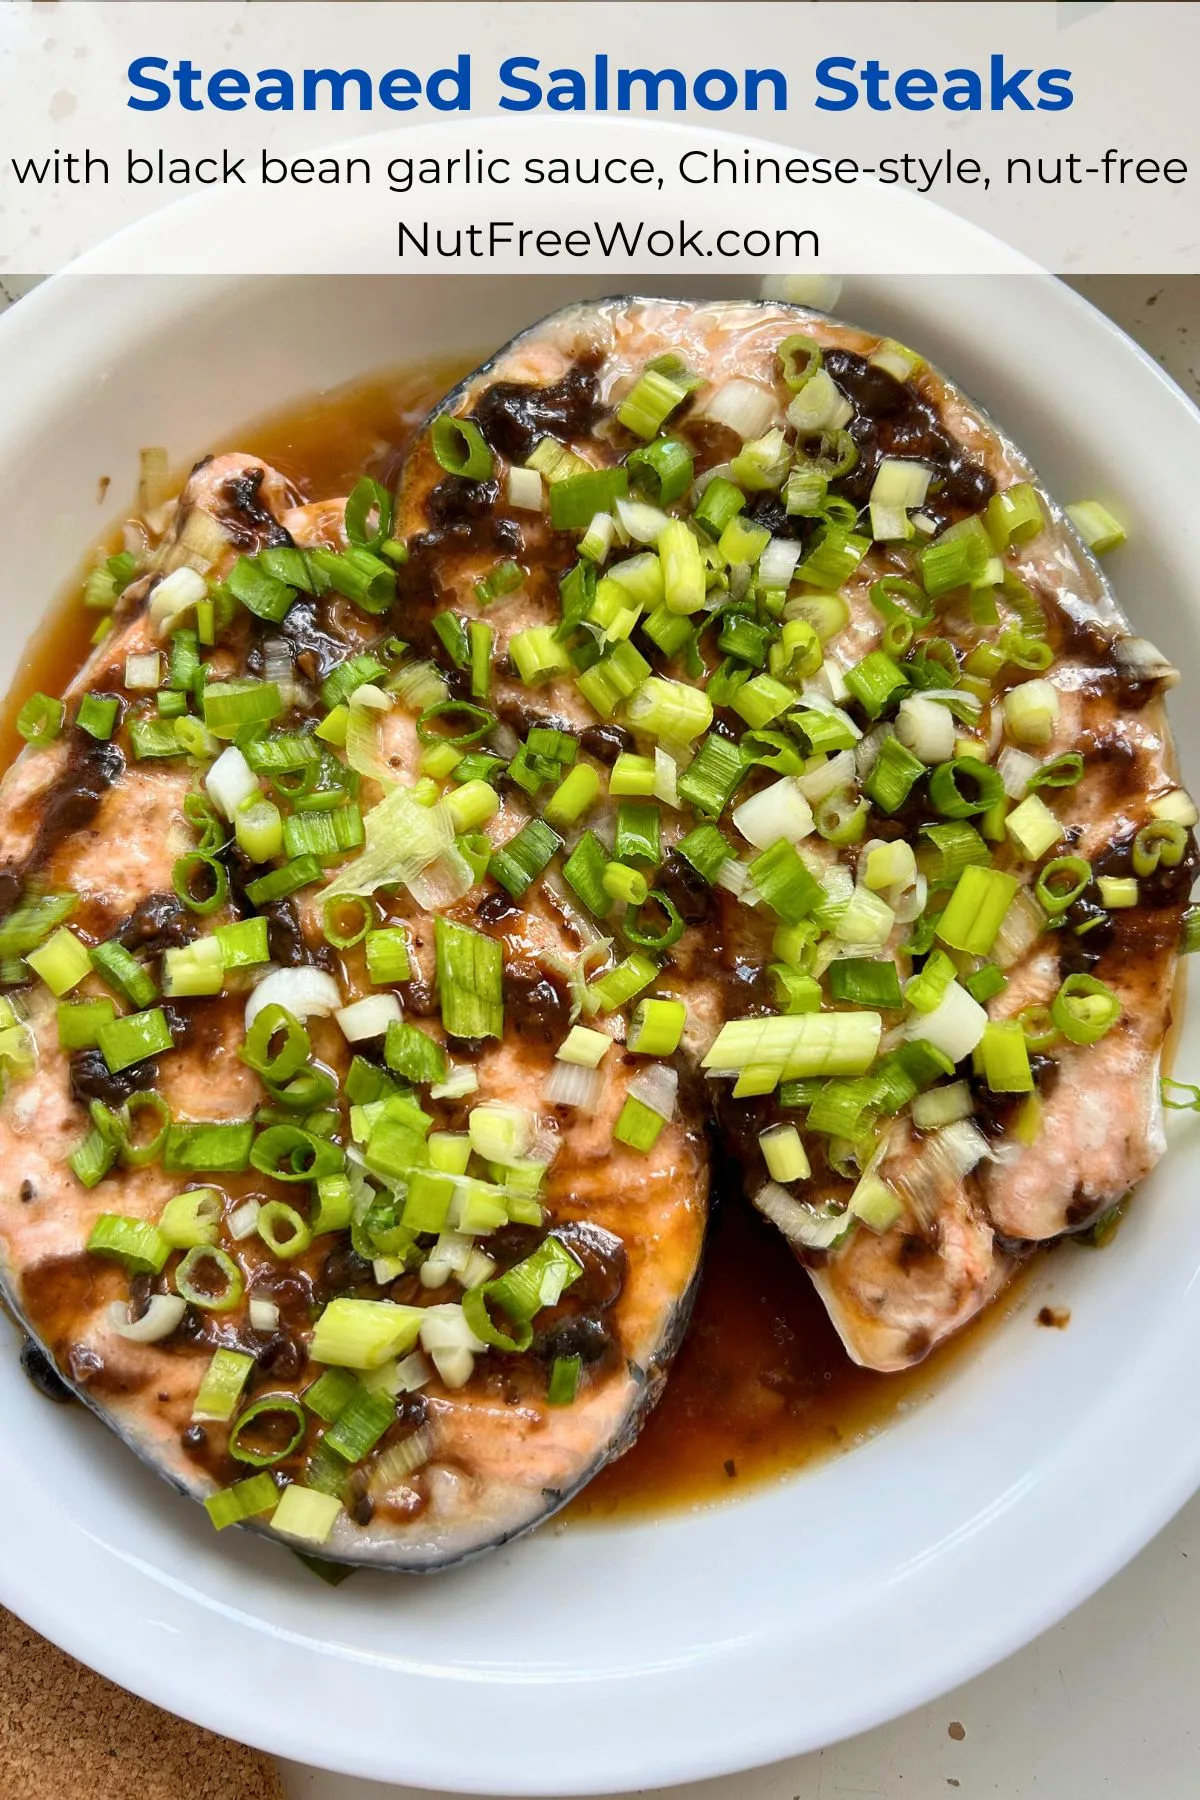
<point>922,1619</point>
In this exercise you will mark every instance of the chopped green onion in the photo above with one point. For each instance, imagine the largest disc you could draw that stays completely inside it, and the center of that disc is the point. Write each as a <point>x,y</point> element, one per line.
<point>1161,843</point>
<point>40,720</point>
<point>1060,771</point>
<point>308,1515</point>
<point>711,780</point>
<point>209,874</point>
<point>799,1045</point>
<point>538,655</point>
<point>625,884</point>
<point>785,883</point>
<point>834,556</point>
<point>229,706</point>
<point>290,1153</point>
<point>331,1393</point>
<point>584,872</point>
<point>976,909</point>
<point>260,1052</point>
<point>135,1037</point>
<point>62,961</point>
<point>282,1229</point>
<point>964,786</point>
<point>359,1427</point>
<point>325,835</point>
<point>613,678</point>
<point>1061,882</point>
<point>191,1218</point>
<point>257,1437</point>
<point>1014,516</point>
<point>655,395</point>
<point>524,857</point>
<point>720,502</point>
<point>221,1387</point>
<point>575,794</point>
<point>364,1334</point>
<point>645,937</point>
<point>1084,1009</point>
<point>79,1022</point>
<point>280,883</point>
<point>958,558</point>
<point>244,1500</point>
<point>453,632</point>
<point>411,1052</point>
<point>1004,1058</point>
<point>97,715</point>
<point>657,1027</point>
<point>469,979</point>
<point>193,969</point>
<point>260,592</point>
<point>1030,712</point>
<point>1033,828</point>
<point>209,1278</point>
<point>895,773</point>
<point>638,1125</point>
<point>576,498</point>
<point>706,851</point>
<point>387,956</point>
<point>1096,526</point>
<point>459,447</point>
<point>986,983</point>
<point>333,1207</point>
<point>564,1380</point>
<point>209,1147</point>
<point>864,981</point>
<point>140,1248</point>
<point>619,984</point>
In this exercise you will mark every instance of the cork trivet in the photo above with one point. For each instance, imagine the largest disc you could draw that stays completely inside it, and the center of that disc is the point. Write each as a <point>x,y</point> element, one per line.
<point>66,1734</point>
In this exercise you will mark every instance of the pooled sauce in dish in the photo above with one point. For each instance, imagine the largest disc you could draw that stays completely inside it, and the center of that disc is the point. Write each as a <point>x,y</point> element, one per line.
<point>762,1385</point>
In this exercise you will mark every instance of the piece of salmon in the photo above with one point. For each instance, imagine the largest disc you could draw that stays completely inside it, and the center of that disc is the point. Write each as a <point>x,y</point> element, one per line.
<point>490,1458</point>
<point>892,1296</point>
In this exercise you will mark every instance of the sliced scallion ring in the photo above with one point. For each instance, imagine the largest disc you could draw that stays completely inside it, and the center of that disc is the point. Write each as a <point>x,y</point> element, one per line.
<point>282,1229</point>
<point>644,936</point>
<point>1085,1009</point>
<point>1061,882</point>
<point>799,359</point>
<point>138,1152</point>
<point>347,918</point>
<point>964,786</point>
<point>212,874</point>
<point>480,723</point>
<point>479,1318</point>
<point>368,498</point>
<point>273,1414</point>
<point>1161,843</point>
<point>460,448</point>
<point>209,1278</point>
<point>288,1153</point>
<point>277,1045</point>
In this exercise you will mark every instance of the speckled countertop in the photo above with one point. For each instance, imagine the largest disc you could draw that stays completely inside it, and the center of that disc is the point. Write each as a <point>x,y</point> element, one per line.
<point>1104,1704</point>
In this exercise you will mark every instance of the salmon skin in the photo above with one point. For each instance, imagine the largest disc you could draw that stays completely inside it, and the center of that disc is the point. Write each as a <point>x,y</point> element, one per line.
<point>718,729</point>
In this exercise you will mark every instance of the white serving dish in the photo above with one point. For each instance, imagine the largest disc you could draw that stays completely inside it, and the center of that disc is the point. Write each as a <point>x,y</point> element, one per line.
<point>607,1659</point>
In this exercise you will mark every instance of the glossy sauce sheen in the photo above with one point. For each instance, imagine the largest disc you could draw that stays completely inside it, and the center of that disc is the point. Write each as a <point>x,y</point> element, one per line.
<point>762,1385</point>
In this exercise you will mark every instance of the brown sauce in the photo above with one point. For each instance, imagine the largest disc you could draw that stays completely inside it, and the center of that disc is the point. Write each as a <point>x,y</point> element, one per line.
<point>762,1386</point>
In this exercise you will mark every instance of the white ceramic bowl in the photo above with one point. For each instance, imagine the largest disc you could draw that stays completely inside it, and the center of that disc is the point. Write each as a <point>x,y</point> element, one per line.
<point>595,1660</point>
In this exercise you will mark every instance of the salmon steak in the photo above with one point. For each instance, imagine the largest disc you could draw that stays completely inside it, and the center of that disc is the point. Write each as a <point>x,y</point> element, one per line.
<point>717,736</point>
